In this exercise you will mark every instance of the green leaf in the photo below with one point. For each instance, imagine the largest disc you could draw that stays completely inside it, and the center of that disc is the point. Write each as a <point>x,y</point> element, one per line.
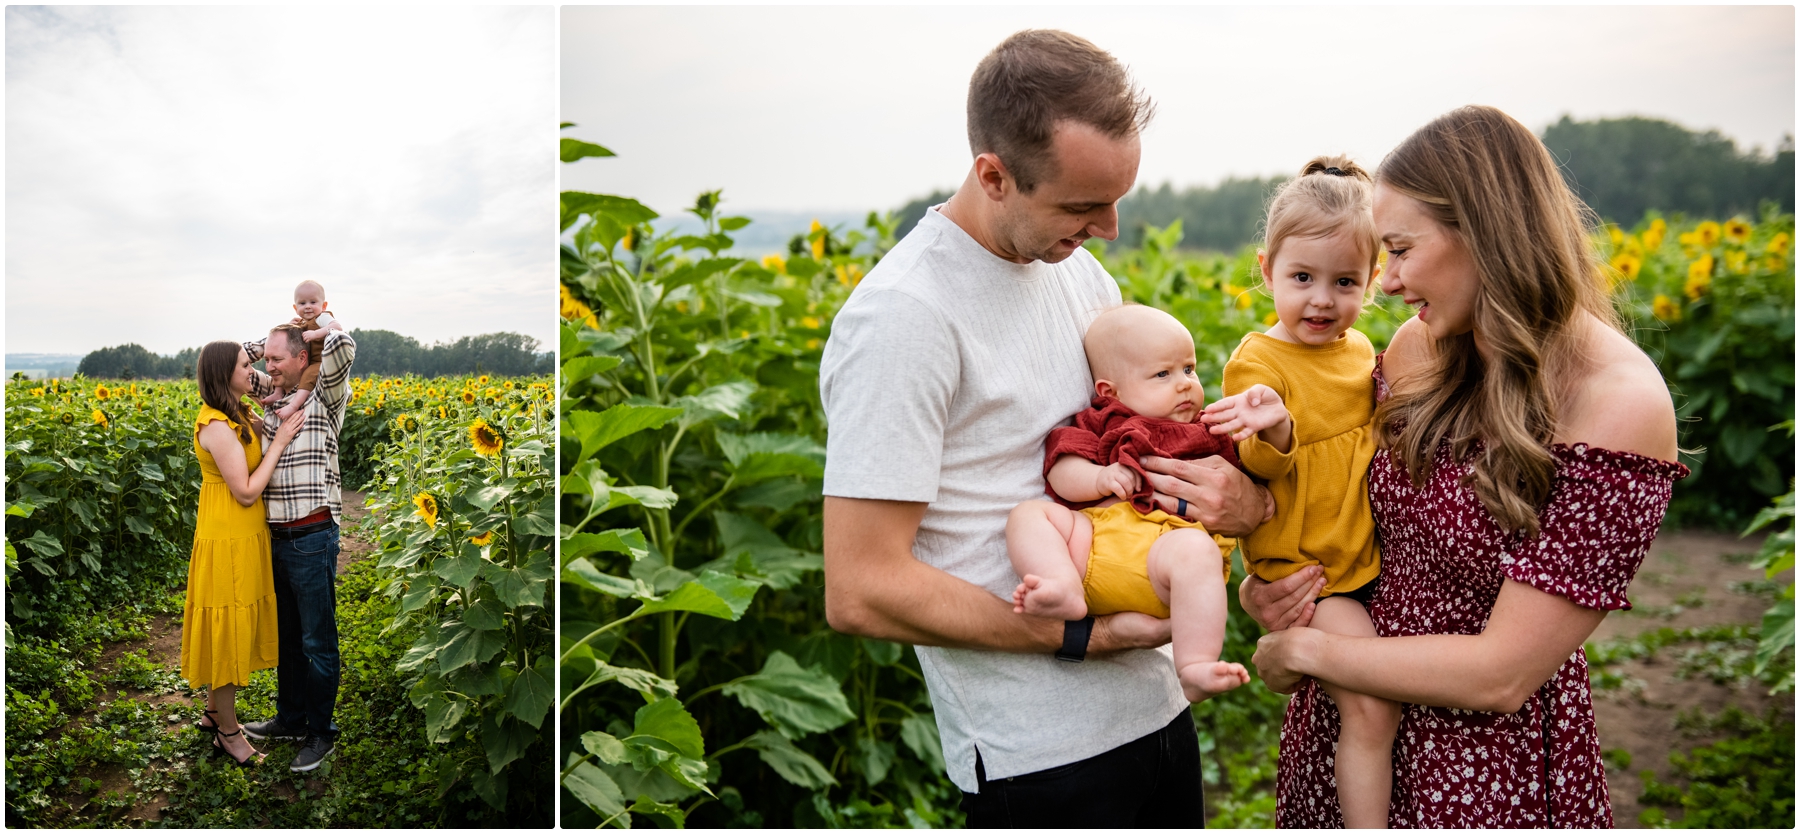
<point>874,758</point>
<point>582,573</point>
<point>530,697</point>
<point>139,526</point>
<point>1777,633</point>
<point>605,747</point>
<point>881,652</point>
<point>422,650</point>
<point>790,762</point>
<point>646,683</point>
<point>442,714</point>
<point>724,400</point>
<point>920,734</point>
<point>732,224</point>
<point>759,457</point>
<point>522,586</point>
<point>668,720</point>
<point>648,806</point>
<point>150,472</point>
<point>573,149</point>
<point>796,700</point>
<point>628,540</point>
<point>582,367</point>
<point>649,496</point>
<point>459,645</point>
<point>458,570</point>
<point>485,615</point>
<point>504,740</point>
<point>488,496</point>
<point>622,210</point>
<point>43,544</point>
<point>595,789</point>
<point>596,431</point>
<point>476,682</point>
<point>713,594</point>
<point>491,787</point>
<point>1741,443</point>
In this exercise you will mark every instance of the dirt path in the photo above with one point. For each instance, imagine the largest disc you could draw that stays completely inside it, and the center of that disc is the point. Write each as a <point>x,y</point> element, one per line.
<point>163,649</point>
<point>1686,581</point>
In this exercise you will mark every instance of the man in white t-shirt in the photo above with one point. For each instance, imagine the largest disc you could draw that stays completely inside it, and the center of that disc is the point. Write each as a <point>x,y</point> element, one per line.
<point>945,370</point>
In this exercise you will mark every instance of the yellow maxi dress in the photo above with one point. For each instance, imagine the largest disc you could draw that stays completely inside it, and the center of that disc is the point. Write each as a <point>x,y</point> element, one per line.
<point>228,629</point>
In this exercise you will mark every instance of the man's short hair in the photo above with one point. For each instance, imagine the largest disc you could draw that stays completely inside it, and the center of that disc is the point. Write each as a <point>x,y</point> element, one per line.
<point>295,340</point>
<point>1037,78</point>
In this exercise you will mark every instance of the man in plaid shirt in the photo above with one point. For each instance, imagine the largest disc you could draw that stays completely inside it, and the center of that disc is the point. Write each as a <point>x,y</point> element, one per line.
<point>304,505</point>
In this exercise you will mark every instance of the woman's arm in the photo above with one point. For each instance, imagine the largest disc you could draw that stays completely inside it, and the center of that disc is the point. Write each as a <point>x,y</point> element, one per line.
<point>1528,637</point>
<point>221,442</point>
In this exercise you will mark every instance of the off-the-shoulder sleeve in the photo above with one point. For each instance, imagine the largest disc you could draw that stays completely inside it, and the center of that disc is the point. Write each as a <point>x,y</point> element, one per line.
<point>1262,459</point>
<point>1604,510</point>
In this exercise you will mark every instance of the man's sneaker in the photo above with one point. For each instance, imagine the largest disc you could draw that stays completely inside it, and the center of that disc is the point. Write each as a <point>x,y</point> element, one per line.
<point>273,730</point>
<point>313,754</point>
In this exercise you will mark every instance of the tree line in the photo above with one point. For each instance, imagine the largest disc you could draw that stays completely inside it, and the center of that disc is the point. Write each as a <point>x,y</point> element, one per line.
<point>382,352</point>
<point>1620,167</point>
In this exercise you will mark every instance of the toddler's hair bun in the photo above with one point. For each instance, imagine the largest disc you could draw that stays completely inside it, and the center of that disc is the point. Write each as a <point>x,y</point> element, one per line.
<point>1337,166</point>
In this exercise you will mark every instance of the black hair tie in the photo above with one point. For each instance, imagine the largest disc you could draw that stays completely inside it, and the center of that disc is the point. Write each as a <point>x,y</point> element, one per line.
<point>1337,172</point>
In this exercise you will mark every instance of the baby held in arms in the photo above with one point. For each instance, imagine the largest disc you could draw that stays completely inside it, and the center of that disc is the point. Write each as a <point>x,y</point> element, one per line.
<point>310,314</point>
<point>1105,547</point>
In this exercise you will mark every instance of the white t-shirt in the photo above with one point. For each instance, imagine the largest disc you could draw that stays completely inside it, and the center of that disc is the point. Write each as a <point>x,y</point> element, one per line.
<point>945,371</point>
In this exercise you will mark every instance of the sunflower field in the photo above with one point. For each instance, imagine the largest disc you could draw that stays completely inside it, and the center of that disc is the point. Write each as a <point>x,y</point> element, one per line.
<point>101,493</point>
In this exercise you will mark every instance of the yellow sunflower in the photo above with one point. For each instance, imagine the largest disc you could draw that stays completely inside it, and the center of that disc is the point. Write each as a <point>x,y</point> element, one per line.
<point>100,418</point>
<point>483,379</point>
<point>68,419</point>
<point>774,263</point>
<point>1778,245</point>
<point>1270,319</point>
<point>1653,236</point>
<point>37,392</point>
<point>486,438</point>
<point>482,540</point>
<point>1737,231</point>
<point>100,392</point>
<point>1665,308</point>
<point>427,508</point>
<point>575,311</point>
<point>468,397</point>
<point>1707,234</point>
<point>1628,265</point>
<point>817,234</point>
<point>1696,286</point>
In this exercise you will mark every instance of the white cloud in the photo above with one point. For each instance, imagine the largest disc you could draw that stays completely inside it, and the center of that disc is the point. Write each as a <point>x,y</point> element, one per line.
<point>862,107</point>
<point>172,173</point>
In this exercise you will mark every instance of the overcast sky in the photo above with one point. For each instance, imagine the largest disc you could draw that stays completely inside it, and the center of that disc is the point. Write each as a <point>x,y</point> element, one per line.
<point>820,108</point>
<point>172,173</point>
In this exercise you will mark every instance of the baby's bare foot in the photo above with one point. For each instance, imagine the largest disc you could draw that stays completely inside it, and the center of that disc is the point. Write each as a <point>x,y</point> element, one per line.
<point>1202,680</point>
<point>1048,598</point>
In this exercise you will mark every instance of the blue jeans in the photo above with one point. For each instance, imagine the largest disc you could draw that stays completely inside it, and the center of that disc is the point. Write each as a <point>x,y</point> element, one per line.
<point>306,607</point>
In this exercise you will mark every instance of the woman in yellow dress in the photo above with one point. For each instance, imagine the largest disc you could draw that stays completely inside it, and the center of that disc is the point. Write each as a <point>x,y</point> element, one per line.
<point>228,628</point>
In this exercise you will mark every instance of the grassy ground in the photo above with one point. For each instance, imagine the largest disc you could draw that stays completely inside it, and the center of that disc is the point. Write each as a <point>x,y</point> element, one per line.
<point>1693,691</point>
<point>101,729</point>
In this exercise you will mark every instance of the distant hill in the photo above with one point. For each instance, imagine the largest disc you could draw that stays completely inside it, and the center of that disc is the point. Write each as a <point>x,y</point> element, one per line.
<point>40,365</point>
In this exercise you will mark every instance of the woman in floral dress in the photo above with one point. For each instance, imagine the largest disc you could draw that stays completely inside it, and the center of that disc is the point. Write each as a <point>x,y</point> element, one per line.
<point>1531,448</point>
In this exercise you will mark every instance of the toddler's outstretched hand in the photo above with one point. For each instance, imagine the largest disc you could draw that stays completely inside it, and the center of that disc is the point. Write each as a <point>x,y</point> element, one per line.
<point>1241,415</point>
<point>1116,479</point>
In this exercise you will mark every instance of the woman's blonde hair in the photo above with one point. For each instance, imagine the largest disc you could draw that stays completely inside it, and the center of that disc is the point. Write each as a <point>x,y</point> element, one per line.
<point>1332,193</point>
<point>1495,187</point>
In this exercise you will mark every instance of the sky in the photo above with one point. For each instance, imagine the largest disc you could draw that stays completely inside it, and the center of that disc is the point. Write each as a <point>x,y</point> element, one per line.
<point>859,108</point>
<point>172,173</point>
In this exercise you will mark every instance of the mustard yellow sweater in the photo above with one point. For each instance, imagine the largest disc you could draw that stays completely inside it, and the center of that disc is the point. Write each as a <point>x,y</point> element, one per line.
<point>1321,486</point>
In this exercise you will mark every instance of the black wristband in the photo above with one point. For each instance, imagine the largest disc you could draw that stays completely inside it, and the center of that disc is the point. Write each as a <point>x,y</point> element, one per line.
<point>1075,639</point>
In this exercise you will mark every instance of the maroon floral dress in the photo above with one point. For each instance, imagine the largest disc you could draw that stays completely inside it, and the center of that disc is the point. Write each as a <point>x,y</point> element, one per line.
<point>1443,560</point>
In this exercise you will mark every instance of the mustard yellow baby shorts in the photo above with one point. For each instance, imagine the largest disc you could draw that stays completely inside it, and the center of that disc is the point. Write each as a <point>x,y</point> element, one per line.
<point>1118,573</point>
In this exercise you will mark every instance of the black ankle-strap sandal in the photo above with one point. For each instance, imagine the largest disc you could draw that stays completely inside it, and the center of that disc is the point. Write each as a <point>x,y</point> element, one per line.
<point>218,744</point>
<point>208,728</point>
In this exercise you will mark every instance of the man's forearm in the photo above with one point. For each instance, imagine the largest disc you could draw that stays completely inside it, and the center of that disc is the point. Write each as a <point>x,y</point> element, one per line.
<point>925,606</point>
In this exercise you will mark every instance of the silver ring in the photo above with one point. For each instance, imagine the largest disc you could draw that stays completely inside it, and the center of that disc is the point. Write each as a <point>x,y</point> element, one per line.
<point>1181,507</point>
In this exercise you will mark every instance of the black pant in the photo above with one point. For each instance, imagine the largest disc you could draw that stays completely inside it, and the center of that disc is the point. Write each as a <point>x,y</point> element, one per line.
<point>1152,782</point>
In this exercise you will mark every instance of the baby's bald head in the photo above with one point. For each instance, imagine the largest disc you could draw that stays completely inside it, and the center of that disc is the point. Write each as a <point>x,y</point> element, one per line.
<point>1120,335</point>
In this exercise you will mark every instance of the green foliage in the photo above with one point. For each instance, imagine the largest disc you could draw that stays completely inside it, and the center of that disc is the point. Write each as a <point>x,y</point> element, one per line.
<point>691,464</point>
<point>1743,781</point>
<point>1623,168</point>
<point>467,506</point>
<point>386,353</point>
<point>1777,555</point>
<point>1221,218</point>
<point>1713,305</point>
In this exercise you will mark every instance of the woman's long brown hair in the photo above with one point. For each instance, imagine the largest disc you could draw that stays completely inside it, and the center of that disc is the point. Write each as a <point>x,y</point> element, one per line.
<point>1494,185</point>
<point>218,360</point>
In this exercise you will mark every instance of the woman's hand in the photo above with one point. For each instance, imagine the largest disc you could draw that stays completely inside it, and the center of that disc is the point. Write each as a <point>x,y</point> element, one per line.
<point>1218,495</point>
<point>289,428</point>
<point>1284,603</point>
<point>1281,656</point>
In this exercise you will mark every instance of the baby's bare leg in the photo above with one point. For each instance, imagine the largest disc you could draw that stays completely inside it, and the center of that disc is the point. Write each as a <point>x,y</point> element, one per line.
<point>1186,571</point>
<point>1365,753</point>
<point>273,397</point>
<point>1049,545</point>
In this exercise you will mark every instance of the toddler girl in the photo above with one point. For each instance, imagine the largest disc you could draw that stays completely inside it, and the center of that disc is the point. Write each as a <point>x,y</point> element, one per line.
<point>1319,263</point>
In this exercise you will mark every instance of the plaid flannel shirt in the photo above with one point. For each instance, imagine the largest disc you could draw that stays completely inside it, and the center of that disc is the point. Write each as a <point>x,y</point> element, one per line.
<point>307,477</point>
